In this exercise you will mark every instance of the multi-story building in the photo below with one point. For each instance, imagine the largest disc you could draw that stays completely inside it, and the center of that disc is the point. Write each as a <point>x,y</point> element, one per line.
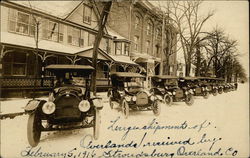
<point>66,33</point>
<point>35,34</point>
<point>147,29</point>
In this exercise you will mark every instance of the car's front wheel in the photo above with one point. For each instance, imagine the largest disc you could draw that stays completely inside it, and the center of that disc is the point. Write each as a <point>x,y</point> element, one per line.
<point>189,100</point>
<point>215,91</point>
<point>97,124</point>
<point>34,129</point>
<point>156,108</point>
<point>205,95</point>
<point>125,108</point>
<point>168,99</point>
<point>220,90</point>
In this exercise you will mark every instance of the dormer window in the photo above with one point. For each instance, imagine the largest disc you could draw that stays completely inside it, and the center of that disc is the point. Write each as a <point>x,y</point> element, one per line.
<point>87,12</point>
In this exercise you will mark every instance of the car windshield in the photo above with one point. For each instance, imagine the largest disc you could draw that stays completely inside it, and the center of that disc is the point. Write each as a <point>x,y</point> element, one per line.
<point>70,78</point>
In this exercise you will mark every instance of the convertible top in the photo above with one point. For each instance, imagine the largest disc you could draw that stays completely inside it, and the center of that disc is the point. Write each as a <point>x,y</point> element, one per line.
<point>69,67</point>
<point>127,74</point>
<point>165,77</point>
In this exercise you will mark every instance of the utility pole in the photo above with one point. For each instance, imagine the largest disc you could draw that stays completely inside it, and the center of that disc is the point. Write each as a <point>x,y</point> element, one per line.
<point>101,26</point>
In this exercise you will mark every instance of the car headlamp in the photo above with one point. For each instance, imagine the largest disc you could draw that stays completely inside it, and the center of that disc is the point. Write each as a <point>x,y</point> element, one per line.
<point>84,106</point>
<point>174,92</point>
<point>134,98</point>
<point>127,98</point>
<point>98,102</point>
<point>152,98</point>
<point>49,107</point>
<point>186,92</point>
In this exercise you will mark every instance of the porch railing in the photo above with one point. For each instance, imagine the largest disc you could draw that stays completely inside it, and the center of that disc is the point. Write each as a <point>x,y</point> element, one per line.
<point>41,83</point>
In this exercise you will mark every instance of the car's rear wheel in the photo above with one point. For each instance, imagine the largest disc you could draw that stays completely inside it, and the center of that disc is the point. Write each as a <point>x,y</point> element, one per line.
<point>156,107</point>
<point>97,124</point>
<point>125,108</point>
<point>168,99</point>
<point>189,100</point>
<point>205,95</point>
<point>34,129</point>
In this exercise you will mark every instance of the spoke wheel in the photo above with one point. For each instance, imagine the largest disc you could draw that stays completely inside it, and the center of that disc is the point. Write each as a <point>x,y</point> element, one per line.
<point>215,92</point>
<point>220,91</point>
<point>34,129</point>
<point>97,124</point>
<point>125,108</point>
<point>206,95</point>
<point>189,100</point>
<point>168,99</point>
<point>157,108</point>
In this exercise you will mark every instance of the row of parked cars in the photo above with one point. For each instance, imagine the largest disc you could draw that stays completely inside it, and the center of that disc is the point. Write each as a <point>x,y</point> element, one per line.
<point>71,104</point>
<point>129,92</point>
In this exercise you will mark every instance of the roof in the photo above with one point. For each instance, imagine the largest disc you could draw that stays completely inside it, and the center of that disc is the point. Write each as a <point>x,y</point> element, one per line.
<point>69,67</point>
<point>127,74</point>
<point>123,59</point>
<point>165,77</point>
<point>59,9</point>
<point>27,41</point>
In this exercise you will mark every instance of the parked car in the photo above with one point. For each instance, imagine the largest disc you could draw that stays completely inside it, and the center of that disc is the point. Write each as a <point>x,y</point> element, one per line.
<point>204,88</point>
<point>70,104</point>
<point>129,92</point>
<point>172,89</point>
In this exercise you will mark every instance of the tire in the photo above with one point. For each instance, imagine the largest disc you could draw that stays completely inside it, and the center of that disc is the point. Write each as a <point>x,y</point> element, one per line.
<point>189,100</point>
<point>109,93</point>
<point>215,92</point>
<point>168,99</point>
<point>206,95</point>
<point>220,91</point>
<point>125,108</point>
<point>34,129</point>
<point>111,103</point>
<point>156,108</point>
<point>97,124</point>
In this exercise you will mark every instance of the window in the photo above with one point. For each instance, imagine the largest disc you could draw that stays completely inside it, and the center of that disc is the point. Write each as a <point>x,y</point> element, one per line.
<point>136,40</point>
<point>137,22</point>
<point>158,33</point>
<point>87,11</point>
<point>73,35</point>
<point>157,50</point>
<point>15,64</point>
<point>126,49</point>
<point>21,22</point>
<point>61,32</point>
<point>50,30</point>
<point>149,28</point>
<point>81,42</point>
<point>118,48</point>
<point>147,47</point>
<point>91,39</point>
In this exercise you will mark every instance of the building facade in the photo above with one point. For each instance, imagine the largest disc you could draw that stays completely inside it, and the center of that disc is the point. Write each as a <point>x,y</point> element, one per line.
<point>35,34</point>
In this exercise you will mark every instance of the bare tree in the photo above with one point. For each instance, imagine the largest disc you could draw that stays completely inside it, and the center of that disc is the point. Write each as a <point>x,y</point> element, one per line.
<point>219,50</point>
<point>186,18</point>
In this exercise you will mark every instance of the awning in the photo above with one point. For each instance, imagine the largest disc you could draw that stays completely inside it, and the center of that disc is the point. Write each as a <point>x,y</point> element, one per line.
<point>123,60</point>
<point>88,53</point>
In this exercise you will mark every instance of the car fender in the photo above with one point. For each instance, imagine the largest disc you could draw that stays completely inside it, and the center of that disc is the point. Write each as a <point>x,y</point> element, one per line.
<point>159,97</point>
<point>33,104</point>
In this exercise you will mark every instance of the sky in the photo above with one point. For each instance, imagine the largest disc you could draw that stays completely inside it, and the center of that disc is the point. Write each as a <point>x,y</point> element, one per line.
<point>233,17</point>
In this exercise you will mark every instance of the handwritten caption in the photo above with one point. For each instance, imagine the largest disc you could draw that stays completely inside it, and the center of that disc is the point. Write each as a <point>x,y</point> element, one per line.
<point>137,142</point>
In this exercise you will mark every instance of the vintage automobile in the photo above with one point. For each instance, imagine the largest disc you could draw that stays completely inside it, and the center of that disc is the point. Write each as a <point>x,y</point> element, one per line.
<point>204,88</point>
<point>221,85</point>
<point>215,83</point>
<point>167,86</point>
<point>129,92</point>
<point>70,104</point>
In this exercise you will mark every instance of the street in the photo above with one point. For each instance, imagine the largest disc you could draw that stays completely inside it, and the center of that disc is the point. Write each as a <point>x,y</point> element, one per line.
<point>217,122</point>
